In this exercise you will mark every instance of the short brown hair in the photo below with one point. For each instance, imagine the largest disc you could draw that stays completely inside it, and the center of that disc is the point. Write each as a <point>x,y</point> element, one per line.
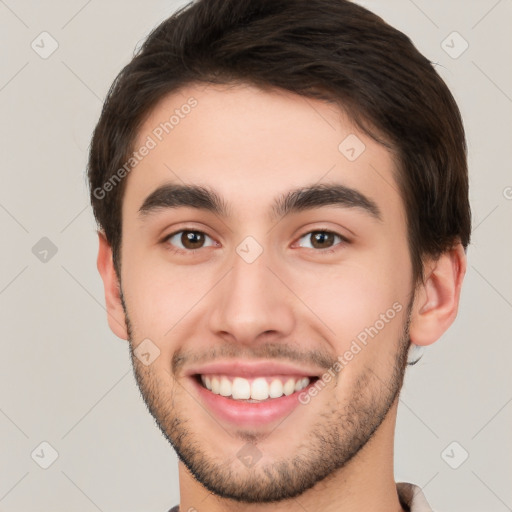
<point>333,50</point>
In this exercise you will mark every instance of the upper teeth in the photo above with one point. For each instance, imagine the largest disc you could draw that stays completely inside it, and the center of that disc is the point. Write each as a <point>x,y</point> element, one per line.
<point>260,388</point>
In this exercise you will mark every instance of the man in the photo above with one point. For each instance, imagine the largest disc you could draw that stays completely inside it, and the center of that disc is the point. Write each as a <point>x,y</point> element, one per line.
<point>282,195</point>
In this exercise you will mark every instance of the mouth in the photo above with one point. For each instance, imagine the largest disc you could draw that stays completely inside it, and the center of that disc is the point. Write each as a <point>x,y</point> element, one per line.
<point>253,390</point>
<point>250,401</point>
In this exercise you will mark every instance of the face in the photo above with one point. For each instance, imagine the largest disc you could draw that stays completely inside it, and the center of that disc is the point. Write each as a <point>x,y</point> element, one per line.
<point>268,326</point>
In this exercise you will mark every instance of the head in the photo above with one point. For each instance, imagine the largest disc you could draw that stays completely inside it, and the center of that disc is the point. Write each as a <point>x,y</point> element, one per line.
<point>241,119</point>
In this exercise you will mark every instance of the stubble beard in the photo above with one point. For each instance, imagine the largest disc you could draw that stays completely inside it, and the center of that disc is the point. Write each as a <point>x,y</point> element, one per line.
<point>333,440</point>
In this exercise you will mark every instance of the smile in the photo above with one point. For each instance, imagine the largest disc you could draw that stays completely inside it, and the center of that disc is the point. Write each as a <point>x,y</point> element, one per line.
<point>250,402</point>
<point>256,389</point>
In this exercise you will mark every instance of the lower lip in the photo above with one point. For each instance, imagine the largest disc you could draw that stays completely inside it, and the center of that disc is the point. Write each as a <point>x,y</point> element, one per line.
<point>249,414</point>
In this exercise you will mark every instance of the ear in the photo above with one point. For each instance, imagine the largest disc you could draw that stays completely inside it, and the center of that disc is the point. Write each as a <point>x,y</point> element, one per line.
<point>436,300</point>
<point>115,312</point>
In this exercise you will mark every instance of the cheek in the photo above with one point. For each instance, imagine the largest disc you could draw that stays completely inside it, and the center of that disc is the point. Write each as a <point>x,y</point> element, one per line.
<point>351,298</point>
<point>367,315</point>
<point>160,297</point>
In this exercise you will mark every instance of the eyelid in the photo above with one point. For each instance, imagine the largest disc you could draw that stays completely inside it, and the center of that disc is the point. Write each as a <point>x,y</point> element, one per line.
<point>200,228</point>
<point>344,240</point>
<point>165,240</point>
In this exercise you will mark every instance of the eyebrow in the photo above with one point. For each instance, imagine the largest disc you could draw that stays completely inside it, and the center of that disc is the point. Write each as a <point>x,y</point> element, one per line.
<point>171,195</point>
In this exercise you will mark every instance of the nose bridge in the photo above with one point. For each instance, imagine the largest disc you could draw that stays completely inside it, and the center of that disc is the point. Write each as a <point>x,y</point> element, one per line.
<point>251,300</point>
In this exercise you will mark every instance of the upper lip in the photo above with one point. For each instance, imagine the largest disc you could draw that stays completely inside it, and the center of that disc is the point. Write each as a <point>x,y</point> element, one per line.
<point>245,368</point>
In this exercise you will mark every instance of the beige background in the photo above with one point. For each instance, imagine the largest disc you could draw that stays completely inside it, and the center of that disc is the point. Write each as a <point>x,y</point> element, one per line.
<point>66,380</point>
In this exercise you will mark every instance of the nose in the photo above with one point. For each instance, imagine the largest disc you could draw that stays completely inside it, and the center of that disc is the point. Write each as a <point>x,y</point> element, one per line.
<point>251,303</point>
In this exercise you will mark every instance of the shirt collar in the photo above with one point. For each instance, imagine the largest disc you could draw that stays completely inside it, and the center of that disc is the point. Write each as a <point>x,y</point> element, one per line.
<point>412,496</point>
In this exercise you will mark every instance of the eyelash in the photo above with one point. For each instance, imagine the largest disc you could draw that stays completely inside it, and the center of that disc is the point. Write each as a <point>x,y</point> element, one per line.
<point>329,250</point>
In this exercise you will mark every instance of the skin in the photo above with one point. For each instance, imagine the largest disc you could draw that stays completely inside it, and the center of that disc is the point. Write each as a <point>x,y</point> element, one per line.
<point>251,146</point>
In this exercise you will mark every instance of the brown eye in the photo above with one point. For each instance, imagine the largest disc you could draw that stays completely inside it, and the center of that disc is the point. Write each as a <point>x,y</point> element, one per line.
<point>188,240</point>
<point>192,239</point>
<point>321,239</point>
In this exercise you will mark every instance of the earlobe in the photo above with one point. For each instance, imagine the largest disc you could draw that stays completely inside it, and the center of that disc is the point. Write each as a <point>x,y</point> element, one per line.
<point>436,300</point>
<point>115,311</point>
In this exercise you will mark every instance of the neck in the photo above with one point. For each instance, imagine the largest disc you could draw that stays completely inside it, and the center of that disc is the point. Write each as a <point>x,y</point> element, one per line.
<point>364,483</point>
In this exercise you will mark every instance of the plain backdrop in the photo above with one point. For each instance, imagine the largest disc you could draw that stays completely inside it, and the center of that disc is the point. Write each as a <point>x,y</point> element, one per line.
<point>66,380</point>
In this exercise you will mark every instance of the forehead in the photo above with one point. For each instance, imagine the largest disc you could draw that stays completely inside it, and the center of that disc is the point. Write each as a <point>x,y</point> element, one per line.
<point>251,145</point>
